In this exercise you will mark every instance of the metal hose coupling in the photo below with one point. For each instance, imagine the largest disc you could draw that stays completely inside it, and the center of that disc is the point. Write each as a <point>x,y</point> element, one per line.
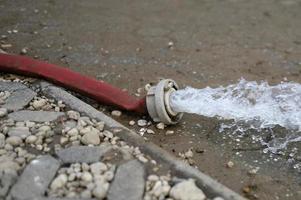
<point>158,104</point>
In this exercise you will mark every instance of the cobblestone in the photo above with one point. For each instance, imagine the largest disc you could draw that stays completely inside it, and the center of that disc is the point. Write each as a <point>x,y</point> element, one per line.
<point>35,116</point>
<point>35,179</point>
<point>84,154</point>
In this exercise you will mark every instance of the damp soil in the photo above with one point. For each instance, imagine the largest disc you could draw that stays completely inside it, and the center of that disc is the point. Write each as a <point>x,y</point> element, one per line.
<point>130,43</point>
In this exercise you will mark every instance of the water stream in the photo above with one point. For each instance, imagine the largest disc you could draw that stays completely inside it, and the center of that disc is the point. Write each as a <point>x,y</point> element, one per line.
<point>258,105</point>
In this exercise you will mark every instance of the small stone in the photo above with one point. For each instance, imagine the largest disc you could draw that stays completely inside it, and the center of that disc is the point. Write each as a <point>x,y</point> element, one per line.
<point>150,131</point>
<point>85,167</point>
<point>86,177</point>
<point>169,132</point>
<point>59,182</point>
<point>142,159</point>
<point>37,104</point>
<point>31,139</point>
<point>8,147</point>
<point>132,123</point>
<point>109,175</point>
<point>147,87</point>
<point>152,177</point>
<point>142,122</point>
<point>90,138</point>
<point>116,113</point>
<point>73,115</point>
<point>73,132</point>
<point>218,198</point>
<point>187,190</point>
<point>7,164</point>
<point>63,140</point>
<point>3,112</point>
<point>230,164</point>
<point>98,168</point>
<point>199,150</point>
<point>23,51</point>
<point>100,126</point>
<point>86,194</point>
<point>108,134</point>
<point>100,191</point>
<point>6,46</point>
<point>188,154</point>
<point>160,126</point>
<point>14,140</point>
<point>89,129</point>
<point>252,171</point>
<point>170,44</point>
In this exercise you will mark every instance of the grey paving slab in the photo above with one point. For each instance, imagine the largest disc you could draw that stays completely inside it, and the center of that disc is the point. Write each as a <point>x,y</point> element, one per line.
<point>21,132</point>
<point>35,178</point>
<point>19,99</point>
<point>6,180</point>
<point>129,182</point>
<point>84,154</point>
<point>35,116</point>
<point>11,86</point>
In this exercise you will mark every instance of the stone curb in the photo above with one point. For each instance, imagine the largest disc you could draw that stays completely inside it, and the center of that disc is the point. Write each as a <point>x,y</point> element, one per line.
<point>211,187</point>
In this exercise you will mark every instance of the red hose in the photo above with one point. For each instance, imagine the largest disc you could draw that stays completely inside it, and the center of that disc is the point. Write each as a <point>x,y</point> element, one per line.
<point>97,90</point>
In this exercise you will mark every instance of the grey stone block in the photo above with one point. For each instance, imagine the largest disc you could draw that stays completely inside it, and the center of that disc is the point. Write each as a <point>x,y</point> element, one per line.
<point>35,179</point>
<point>19,99</point>
<point>35,116</point>
<point>83,153</point>
<point>6,180</point>
<point>11,86</point>
<point>21,132</point>
<point>129,182</point>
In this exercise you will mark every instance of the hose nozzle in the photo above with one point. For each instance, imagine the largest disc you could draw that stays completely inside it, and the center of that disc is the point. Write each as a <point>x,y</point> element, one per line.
<point>158,104</point>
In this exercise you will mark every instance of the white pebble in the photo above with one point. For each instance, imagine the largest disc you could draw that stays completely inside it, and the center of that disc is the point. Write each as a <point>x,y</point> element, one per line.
<point>116,113</point>
<point>142,122</point>
<point>132,123</point>
<point>73,115</point>
<point>59,182</point>
<point>86,176</point>
<point>3,112</point>
<point>160,126</point>
<point>90,138</point>
<point>98,168</point>
<point>187,190</point>
<point>169,132</point>
<point>37,104</point>
<point>31,139</point>
<point>14,140</point>
<point>100,191</point>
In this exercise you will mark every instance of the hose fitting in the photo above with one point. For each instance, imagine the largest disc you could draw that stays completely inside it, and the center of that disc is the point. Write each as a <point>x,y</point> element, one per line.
<point>158,104</point>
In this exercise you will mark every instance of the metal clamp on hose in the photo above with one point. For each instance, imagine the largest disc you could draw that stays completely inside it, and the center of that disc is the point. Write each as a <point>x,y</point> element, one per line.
<point>158,104</point>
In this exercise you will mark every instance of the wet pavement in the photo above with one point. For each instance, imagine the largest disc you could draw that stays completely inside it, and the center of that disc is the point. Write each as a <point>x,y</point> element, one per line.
<point>197,43</point>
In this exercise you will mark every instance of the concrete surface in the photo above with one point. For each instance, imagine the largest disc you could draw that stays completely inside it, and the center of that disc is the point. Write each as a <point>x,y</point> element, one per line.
<point>214,42</point>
